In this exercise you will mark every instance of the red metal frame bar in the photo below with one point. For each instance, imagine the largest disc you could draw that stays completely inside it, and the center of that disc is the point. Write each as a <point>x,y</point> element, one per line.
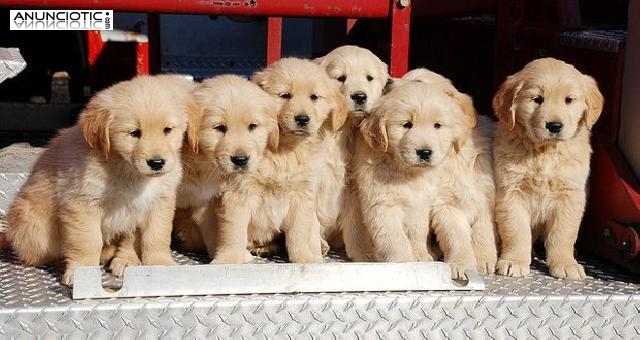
<point>306,8</point>
<point>400,28</point>
<point>275,9</point>
<point>274,39</point>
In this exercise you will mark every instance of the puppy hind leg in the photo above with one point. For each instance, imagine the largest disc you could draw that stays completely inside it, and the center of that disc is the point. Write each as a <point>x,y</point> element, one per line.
<point>81,237</point>
<point>33,232</point>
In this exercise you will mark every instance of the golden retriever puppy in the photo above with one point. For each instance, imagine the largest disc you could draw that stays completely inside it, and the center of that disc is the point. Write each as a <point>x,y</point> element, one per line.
<point>466,189</point>
<point>542,154</point>
<point>408,135</point>
<point>361,76</point>
<point>237,122</point>
<point>114,173</point>
<point>281,196</point>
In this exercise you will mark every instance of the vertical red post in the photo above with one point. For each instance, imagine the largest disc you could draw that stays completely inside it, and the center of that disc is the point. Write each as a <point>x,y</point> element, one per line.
<point>274,39</point>
<point>400,28</point>
<point>94,47</point>
<point>142,57</point>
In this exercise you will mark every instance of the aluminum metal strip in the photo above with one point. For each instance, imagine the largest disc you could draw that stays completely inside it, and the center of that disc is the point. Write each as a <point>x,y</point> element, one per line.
<point>218,279</point>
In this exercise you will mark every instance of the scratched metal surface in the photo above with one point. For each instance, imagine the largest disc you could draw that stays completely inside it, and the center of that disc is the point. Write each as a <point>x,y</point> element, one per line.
<point>606,305</point>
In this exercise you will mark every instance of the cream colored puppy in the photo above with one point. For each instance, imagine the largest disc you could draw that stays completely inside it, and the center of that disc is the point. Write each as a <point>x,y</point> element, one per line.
<point>361,76</point>
<point>281,196</point>
<point>464,207</point>
<point>542,155</point>
<point>100,181</point>
<point>409,133</point>
<point>237,122</point>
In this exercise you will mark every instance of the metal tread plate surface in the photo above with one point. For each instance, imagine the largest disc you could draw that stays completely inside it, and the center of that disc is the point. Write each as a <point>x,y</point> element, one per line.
<point>606,305</point>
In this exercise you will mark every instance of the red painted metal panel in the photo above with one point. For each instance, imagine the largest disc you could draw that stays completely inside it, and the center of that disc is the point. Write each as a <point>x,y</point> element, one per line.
<point>274,39</point>
<point>400,28</point>
<point>302,8</point>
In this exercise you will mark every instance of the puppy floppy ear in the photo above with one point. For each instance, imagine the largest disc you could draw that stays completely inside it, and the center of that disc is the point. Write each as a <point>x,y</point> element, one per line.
<point>504,100</point>
<point>194,121</point>
<point>374,131</point>
<point>273,139</point>
<point>594,100</point>
<point>466,104</point>
<point>94,122</point>
<point>260,78</point>
<point>340,110</point>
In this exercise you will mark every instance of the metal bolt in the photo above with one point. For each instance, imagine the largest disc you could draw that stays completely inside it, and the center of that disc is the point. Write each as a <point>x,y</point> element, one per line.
<point>403,3</point>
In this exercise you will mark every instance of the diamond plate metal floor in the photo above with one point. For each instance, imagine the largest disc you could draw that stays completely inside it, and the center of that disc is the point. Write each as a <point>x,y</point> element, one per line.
<point>606,305</point>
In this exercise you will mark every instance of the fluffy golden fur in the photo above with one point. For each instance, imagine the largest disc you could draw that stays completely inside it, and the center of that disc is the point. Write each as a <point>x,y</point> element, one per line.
<point>361,76</point>
<point>462,214</point>
<point>394,165</point>
<point>281,196</point>
<point>100,181</point>
<point>542,153</point>
<point>237,122</point>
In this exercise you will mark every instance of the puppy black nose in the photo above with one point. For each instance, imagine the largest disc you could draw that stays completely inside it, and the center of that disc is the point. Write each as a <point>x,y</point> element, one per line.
<point>424,154</point>
<point>554,127</point>
<point>156,163</point>
<point>302,119</point>
<point>359,97</point>
<point>240,160</point>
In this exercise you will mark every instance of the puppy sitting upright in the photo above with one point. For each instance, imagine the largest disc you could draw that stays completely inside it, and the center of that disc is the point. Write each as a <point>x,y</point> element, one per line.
<point>542,153</point>
<point>409,132</point>
<point>237,121</point>
<point>361,76</point>
<point>281,196</point>
<point>110,175</point>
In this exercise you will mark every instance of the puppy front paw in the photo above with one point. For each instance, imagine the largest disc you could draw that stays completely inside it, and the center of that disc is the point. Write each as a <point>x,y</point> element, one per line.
<point>457,270</point>
<point>232,257</point>
<point>422,255</point>
<point>67,277</point>
<point>570,271</point>
<point>119,263</point>
<point>158,259</point>
<point>513,268</point>
<point>486,266</point>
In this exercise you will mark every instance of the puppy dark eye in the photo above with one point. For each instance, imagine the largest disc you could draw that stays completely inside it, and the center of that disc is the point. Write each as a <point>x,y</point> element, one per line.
<point>285,95</point>
<point>437,125</point>
<point>538,99</point>
<point>314,97</point>
<point>167,130</point>
<point>369,78</point>
<point>407,125</point>
<point>569,100</point>
<point>252,126</point>
<point>135,133</point>
<point>342,78</point>
<point>221,127</point>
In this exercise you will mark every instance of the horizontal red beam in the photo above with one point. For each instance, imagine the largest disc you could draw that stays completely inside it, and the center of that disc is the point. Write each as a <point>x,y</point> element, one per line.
<point>295,8</point>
